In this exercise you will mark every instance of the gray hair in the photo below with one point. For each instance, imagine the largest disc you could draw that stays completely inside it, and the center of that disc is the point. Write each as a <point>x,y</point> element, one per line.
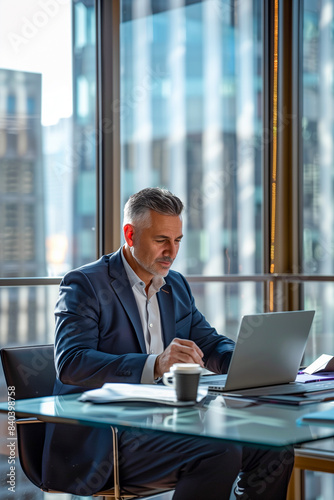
<point>162,201</point>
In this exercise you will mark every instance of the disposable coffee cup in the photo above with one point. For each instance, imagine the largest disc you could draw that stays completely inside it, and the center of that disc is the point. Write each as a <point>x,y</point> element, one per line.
<point>184,377</point>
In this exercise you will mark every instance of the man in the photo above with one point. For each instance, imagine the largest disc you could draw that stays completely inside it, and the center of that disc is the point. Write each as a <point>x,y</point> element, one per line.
<point>128,318</point>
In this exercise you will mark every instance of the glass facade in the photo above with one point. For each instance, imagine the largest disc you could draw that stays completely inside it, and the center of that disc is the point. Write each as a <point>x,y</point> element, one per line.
<point>47,137</point>
<point>47,154</point>
<point>191,121</point>
<point>221,302</point>
<point>317,134</point>
<point>318,171</point>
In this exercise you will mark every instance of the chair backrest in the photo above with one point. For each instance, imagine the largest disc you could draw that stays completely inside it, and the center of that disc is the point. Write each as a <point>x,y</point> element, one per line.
<point>30,369</point>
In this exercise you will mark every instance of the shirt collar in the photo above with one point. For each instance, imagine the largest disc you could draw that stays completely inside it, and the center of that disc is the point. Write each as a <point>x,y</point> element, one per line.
<point>157,281</point>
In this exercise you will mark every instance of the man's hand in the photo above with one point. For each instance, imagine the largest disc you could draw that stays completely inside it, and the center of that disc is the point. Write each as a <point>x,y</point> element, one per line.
<point>178,351</point>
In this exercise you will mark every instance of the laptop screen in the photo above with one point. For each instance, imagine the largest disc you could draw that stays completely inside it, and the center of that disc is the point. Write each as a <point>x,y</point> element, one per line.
<point>269,349</point>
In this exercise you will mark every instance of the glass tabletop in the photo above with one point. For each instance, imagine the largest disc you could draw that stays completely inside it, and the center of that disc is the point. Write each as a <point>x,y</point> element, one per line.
<point>216,417</point>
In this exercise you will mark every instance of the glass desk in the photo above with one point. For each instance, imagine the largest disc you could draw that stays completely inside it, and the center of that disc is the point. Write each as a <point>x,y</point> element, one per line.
<point>216,417</point>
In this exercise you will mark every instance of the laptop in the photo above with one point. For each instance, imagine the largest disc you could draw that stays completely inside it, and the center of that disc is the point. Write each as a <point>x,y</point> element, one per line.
<point>267,355</point>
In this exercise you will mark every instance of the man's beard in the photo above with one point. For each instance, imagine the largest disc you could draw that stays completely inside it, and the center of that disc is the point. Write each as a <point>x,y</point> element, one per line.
<point>150,268</point>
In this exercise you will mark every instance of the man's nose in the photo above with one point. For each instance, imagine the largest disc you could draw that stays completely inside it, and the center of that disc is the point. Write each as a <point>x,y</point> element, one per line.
<point>171,250</point>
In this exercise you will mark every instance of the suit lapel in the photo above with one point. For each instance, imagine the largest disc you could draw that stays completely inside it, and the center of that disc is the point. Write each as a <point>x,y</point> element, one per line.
<point>123,290</point>
<point>167,315</point>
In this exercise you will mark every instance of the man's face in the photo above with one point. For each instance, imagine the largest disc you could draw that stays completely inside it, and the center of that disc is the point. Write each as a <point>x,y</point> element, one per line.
<point>155,247</point>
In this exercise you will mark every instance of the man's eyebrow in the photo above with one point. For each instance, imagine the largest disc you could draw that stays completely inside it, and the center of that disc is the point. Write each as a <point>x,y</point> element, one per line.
<point>163,236</point>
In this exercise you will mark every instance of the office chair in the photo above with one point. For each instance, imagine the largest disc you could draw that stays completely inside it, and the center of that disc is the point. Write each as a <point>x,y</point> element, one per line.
<point>31,370</point>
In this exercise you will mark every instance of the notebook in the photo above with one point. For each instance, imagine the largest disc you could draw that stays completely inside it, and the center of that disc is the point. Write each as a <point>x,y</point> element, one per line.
<point>267,355</point>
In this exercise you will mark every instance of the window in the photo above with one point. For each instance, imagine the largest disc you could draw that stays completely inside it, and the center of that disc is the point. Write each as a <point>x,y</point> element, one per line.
<point>317,143</point>
<point>191,121</point>
<point>47,131</point>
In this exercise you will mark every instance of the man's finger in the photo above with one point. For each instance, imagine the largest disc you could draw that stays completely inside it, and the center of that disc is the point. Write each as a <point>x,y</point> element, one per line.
<point>187,352</point>
<point>188,343</point>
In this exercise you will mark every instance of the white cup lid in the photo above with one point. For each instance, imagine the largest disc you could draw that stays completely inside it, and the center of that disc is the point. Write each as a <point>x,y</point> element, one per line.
<point>186,368</point>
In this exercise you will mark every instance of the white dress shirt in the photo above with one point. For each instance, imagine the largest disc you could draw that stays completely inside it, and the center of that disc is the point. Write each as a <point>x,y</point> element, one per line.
<point>149,313</point>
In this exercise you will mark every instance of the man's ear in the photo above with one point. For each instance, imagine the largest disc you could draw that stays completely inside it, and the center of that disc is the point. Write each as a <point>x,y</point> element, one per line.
<point>128,234</point>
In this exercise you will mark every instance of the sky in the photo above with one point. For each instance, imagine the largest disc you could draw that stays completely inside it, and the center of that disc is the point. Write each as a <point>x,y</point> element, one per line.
<point>35,36</point>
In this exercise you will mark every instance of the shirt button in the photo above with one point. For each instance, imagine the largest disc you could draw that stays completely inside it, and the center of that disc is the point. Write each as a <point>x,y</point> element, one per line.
<point>152,351</point>
<point>151,325</point>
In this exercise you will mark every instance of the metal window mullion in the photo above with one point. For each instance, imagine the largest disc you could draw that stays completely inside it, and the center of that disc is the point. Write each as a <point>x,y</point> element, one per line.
<point>225,278</point>
<point>267,133</point>
<point>108,125</point>
<point>285,165</point>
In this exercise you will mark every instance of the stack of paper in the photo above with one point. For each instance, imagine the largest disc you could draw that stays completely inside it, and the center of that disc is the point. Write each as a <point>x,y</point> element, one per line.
<point>113,393</point>
<point>325,363</point>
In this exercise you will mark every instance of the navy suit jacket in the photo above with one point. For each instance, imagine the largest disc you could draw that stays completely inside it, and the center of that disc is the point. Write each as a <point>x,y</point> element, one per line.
<point>99,338</point>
